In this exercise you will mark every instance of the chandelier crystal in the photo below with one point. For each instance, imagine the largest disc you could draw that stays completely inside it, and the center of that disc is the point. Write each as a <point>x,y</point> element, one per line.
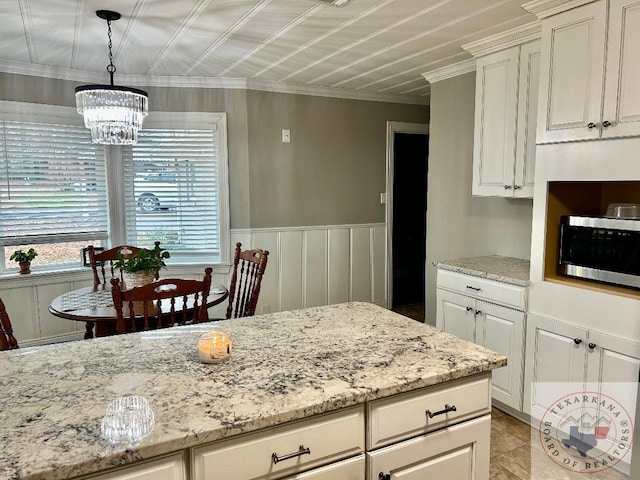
<point>114,114</point>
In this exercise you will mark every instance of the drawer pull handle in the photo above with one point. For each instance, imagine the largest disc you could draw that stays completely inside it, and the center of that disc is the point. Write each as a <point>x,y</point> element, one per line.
<point>475,289</point>
<point>384,476</point>
<point>301,451</point>
<point>469,309</point>
<point>577,341</point>
<point>592,346</point>
<point>447,408</point>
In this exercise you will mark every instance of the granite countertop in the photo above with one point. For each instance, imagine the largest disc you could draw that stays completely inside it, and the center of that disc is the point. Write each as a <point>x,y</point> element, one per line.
<point>493,267</point>
<point>284,366</point>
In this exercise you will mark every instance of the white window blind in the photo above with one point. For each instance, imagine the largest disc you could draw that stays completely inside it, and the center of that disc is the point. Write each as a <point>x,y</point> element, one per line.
<point>172,191</point>
<point>52,184</point>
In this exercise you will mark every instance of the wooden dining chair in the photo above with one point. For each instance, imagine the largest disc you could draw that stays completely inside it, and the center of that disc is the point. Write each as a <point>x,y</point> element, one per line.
<point>160,304</point>
<point>102,262</point>
<point>7,340</point>
<point>244,287</point>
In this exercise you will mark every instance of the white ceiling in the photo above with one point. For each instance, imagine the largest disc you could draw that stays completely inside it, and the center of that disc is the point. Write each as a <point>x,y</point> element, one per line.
<point>367,46</point>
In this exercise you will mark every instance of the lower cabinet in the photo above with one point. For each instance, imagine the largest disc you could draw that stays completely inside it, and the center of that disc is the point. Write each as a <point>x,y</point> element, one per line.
<point>460,452</point>
<point>563,358</point>
<point>494,327</point>
<point>351,469</point>
<point>166,468</point>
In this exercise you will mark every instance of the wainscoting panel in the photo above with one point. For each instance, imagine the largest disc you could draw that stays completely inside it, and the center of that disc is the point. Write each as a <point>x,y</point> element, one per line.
<point>320,265</point>
<point>315,256</point>
<point>339,265</point>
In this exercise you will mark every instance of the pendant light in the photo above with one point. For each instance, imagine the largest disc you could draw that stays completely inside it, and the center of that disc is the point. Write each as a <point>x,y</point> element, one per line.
<point>114,114</point>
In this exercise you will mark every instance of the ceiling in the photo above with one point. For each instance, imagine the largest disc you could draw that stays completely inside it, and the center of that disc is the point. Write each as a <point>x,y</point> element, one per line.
<point>367,47</point>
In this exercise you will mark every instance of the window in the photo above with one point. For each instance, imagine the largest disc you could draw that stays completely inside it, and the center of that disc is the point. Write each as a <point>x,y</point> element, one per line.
<point>171,190</point>
<point>54,188</point>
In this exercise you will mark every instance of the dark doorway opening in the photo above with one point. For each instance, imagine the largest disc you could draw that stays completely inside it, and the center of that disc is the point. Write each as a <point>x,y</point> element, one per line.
<point>410,167</point>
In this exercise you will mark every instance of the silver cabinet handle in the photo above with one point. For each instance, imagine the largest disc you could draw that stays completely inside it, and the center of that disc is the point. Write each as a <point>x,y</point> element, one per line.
<point>447,408</point>
<point>591,125</point>
<point>475,289</point>
<point>301,451</point>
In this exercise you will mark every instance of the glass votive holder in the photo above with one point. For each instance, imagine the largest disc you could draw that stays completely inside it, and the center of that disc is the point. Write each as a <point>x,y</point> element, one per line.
<point>214,346</point>
<point>127,420</point>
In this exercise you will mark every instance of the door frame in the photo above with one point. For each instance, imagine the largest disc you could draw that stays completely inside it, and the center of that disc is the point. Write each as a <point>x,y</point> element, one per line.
<point>392,129</point>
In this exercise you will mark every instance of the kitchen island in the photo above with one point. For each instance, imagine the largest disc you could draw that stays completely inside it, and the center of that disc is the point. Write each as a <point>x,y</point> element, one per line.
<point>285,367</point>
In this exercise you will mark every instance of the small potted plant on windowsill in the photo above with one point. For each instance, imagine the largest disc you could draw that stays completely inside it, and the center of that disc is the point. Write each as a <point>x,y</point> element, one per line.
<point>142,267</point>
<point>24,259</point>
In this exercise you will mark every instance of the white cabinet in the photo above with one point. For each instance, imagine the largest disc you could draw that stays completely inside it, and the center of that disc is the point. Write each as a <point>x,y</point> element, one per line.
<point>167,468</point>
<point>477,319</point>
<point>505,118</point>
<point>460,452</point>
<point>562,356</point>
<point>283,451</point>
<point>581,97</point>
<point>350,469</point>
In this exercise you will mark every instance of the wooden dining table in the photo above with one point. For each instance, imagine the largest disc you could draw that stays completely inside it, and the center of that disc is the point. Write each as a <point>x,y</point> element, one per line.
<point>94,306</point>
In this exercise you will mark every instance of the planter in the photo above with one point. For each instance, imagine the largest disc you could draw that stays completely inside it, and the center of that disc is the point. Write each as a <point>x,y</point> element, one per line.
<point>25,267</point>
<point>138,279</point>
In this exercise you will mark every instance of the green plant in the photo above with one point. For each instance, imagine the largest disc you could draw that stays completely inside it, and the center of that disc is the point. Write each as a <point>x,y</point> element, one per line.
<point>21,257</point>
<point>143,261</point>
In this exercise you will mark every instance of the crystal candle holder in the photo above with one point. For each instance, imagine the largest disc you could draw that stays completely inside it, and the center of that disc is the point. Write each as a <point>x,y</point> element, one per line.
<point>214,346</point>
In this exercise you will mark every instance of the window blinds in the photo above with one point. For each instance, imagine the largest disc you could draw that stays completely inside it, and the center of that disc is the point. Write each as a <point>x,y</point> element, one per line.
<point>52,184</point>
<point>172,193</point>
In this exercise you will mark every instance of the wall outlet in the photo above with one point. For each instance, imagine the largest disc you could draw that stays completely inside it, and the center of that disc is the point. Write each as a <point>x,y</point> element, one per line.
<point>265,309</point>
<point>286,135</point>
<point>383,198</point>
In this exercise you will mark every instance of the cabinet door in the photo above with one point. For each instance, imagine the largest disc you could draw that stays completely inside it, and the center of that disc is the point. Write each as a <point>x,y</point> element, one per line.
<point>555,361</point>
<point>502,330</point>
<point>168,468</point>
<point>529,78</point>
<point>573,46</point>
<point>460,452</point>
<point>456,314</point>
<point>622,96</point>
<point>495,123</point>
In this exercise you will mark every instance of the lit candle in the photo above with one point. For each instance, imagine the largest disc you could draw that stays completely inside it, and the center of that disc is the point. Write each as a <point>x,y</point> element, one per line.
<point>214,346</point>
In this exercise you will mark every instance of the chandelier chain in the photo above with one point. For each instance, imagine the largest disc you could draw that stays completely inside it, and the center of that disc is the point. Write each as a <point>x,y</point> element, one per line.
<point>111,68</point>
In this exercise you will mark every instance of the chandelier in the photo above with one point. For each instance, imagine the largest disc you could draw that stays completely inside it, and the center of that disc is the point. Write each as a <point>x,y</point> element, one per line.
<point>114,114</point>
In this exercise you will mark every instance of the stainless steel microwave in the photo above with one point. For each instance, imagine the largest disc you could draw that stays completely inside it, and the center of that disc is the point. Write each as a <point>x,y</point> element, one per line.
<point>602,249</point>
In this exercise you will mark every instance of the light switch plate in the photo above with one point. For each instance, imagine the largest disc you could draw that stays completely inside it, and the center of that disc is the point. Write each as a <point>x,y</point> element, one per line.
<point>383,198</point>
<point>286,135</point>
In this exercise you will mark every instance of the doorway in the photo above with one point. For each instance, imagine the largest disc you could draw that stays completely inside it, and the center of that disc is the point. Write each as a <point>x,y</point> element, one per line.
<point>407,169</point>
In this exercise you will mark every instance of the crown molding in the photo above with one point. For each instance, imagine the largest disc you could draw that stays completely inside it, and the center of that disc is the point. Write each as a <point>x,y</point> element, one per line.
<point>69,74</point>
<point>442,73</point>
<point>510,38</point>
<point>547,8</point>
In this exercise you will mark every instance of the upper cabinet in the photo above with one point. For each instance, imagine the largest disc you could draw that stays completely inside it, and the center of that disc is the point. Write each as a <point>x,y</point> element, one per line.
<point>590,70</point>
<point>507,73</point>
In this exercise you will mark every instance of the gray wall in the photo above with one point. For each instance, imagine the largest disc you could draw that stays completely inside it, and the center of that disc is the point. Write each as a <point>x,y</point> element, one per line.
<point>459,225</point>
<point>333,170</point>
<point>331,173</point>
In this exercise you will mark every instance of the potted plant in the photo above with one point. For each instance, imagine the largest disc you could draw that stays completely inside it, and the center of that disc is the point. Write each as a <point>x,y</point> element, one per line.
<point>24,259</point>
<point>142,267</point>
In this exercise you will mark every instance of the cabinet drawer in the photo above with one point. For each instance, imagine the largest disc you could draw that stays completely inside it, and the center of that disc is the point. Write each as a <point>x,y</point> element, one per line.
<point>460,452</point>
<point>489,290</point>
<point>329,438</point>
<point>351,469</point>
<point>167,468</point>
<point>404,416</point>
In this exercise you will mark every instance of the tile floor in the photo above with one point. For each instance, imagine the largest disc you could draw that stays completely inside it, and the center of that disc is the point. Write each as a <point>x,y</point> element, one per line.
<point>515,457</point>
<point>414,310</point>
